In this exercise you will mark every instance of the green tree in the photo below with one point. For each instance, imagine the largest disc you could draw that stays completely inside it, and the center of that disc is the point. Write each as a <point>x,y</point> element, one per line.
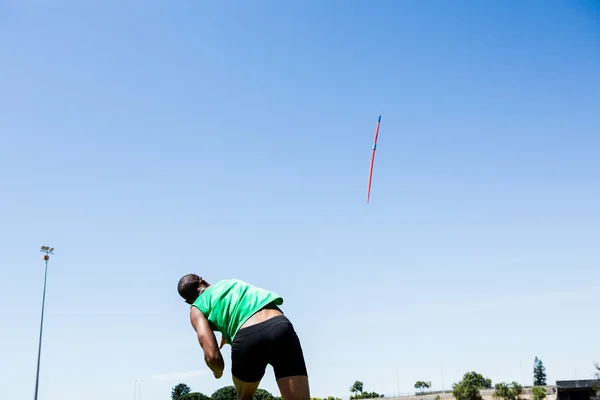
<point>421,385</point>
<point>357,387</point>
<point>468,388</point>
<point>507,392</point>
<point>539,373</point>
<point>194,396</point>
<point>225,393</point>
<point>478,380</point>
<point>179,390</point>
<point>538,393</point>
<point>465,390</point>
<point>262,394</point>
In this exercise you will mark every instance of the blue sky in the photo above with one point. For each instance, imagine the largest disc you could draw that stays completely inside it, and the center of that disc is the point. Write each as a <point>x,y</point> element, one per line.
<point>146,140</point>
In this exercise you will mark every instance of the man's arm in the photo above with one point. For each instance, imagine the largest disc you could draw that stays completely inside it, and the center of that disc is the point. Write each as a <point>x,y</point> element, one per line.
<point>208,342</point>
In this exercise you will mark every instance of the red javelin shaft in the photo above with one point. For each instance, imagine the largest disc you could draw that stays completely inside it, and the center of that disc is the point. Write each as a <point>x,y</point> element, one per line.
<point>373,158</point>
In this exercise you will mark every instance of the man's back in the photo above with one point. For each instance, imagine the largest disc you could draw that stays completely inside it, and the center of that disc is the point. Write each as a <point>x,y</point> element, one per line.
<point>229,303</point>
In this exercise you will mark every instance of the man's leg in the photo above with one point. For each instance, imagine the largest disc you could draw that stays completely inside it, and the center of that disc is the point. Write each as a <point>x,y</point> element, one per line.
<point>248,361</point>
<point>294,387</point>
<point>245,390</point>
<point>288,363</point>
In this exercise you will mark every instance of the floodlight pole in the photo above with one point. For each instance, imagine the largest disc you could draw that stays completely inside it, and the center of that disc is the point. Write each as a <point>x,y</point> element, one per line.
<point>46,257</point>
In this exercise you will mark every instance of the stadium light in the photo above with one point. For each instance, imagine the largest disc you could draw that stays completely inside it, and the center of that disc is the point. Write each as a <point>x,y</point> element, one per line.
<point>47,252</point>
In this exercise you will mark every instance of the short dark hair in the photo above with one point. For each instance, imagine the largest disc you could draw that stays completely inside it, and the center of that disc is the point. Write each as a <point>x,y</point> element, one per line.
<point>188,287</point>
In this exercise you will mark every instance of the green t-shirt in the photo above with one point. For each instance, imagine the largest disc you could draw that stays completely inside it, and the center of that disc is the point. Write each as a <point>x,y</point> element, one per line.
<point>229,303</point>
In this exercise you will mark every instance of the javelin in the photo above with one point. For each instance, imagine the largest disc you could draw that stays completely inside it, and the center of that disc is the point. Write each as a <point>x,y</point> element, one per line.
<point>373,158</point>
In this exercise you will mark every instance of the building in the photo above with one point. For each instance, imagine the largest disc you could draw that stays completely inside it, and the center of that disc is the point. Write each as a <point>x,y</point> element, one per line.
<point>576,390</point>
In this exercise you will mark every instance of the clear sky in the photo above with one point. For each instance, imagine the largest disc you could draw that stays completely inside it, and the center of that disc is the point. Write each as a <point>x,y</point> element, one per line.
<point>146,140</point>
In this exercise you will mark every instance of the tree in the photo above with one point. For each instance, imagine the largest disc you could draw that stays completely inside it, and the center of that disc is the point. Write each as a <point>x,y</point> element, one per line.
<point>422,386</point>
<point>194,396</point>
<point>465,390</point>
<point>468,388</point>
<point>539,373</point>
<point>478,380</point>
<point>262,394</point>
<point>505,392</point>
<point>179,391</point>
<point>538,393</point>
<point>357,387</point>
<point>225,393</point>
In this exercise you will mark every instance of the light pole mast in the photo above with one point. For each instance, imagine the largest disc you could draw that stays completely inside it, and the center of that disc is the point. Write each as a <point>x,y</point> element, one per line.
<point>47,252</point>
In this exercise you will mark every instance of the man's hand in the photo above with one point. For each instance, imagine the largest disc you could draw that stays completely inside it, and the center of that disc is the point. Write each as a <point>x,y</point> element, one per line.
<point>218,374</point>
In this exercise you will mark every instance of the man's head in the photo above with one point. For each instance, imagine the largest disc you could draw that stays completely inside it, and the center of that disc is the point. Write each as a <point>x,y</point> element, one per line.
<point>190,286</point>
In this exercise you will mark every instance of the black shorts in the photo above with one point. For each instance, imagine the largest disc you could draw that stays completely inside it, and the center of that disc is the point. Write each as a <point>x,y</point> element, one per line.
<point>273,342</point>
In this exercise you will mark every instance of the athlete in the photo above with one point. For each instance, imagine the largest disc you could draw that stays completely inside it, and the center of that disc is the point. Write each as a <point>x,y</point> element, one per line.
<point>250,320</point>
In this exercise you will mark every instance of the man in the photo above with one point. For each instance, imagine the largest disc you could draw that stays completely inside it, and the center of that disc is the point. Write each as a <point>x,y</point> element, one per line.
<point>250,320</point>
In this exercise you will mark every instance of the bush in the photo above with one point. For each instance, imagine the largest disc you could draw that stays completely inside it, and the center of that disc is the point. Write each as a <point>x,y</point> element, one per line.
<point>366,395</point>
<point>506,392</point>
<point>225,393</point>
<point>194,396</point>
<point>262,394</point>
<point>228,393</point>
<point>538,393</point>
